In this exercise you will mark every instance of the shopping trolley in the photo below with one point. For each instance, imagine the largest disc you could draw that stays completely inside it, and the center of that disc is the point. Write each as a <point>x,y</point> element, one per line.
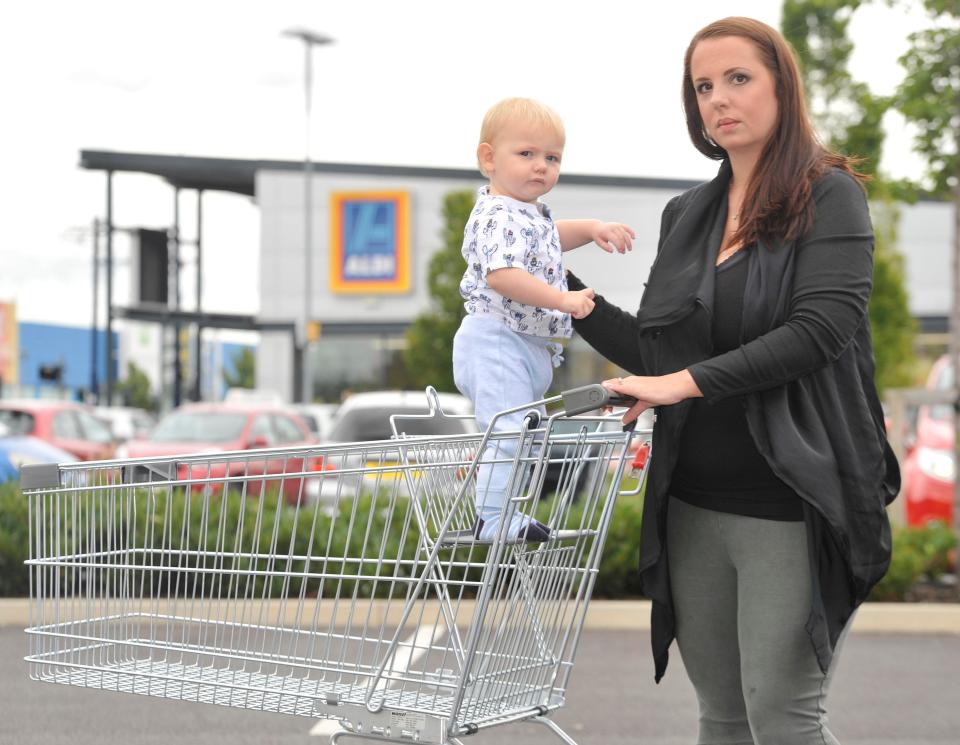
<point>365,598</point>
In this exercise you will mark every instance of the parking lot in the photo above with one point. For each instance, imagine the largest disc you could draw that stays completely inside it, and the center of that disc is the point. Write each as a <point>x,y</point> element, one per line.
<point>891,689</point>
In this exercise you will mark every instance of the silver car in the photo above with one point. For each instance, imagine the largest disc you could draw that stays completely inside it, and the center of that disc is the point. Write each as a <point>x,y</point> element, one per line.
<point>358,449</point>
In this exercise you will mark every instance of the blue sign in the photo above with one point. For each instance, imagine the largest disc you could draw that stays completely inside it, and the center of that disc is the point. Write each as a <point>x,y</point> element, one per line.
<point>369,242</point>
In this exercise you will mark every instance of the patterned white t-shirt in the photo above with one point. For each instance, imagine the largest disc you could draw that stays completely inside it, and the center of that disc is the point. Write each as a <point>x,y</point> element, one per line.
<point>505,232</point>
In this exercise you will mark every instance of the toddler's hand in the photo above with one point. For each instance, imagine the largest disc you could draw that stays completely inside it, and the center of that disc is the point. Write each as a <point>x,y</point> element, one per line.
<point>614,236</point>
<point>578,303</point>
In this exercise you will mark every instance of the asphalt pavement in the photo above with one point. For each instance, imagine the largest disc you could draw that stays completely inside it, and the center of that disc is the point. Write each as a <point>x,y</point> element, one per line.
<point>890,689</point>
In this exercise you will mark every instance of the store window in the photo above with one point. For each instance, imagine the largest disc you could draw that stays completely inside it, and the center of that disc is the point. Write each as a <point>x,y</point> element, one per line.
<point>347,363</point>
<point>342,364</point>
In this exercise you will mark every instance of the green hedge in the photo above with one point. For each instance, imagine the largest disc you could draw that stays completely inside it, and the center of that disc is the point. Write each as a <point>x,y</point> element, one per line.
<point>14,541</point>
<point>917,553</point>
<point>189,529</point>
<point>618,576</point>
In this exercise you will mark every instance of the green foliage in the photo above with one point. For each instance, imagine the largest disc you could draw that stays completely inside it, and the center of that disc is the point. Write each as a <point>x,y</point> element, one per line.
<point>850,118</point>
<point>134,390</point>
<point>14,541</point>
<point>237,561</point>
<point>817,30</point>
<point>244,373</point>
<point>917,553</point>
<point>619,576</point>
<point>933,544</point>
<point>892,324</point>
<point>429,353</point>
<point>285,531</point>
<point>267,534</point>
<point>929,95</point>
<point>260,530</point>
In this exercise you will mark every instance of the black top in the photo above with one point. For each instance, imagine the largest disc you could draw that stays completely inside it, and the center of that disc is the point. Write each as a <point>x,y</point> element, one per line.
<point>804,370</point>
<point>718,466</point>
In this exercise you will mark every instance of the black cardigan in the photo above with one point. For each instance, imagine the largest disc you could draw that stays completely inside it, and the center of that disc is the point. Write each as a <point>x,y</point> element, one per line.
<point>805,370</point>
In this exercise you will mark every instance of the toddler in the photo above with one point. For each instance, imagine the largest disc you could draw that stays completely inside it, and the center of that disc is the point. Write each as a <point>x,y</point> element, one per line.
<point>515,291</point>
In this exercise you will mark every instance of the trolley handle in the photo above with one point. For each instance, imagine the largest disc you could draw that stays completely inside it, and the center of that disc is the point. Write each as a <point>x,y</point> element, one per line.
<point>638,469</point>
<point>593,396</point>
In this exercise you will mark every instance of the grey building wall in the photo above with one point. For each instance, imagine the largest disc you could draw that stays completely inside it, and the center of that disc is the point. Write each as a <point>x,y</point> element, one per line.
<point>924,239</point>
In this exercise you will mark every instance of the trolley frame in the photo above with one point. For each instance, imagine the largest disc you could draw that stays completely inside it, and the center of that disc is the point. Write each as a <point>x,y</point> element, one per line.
<point>338,581</point>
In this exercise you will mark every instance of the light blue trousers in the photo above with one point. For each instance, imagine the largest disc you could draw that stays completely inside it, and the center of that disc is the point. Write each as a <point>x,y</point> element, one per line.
<point>499,369</point>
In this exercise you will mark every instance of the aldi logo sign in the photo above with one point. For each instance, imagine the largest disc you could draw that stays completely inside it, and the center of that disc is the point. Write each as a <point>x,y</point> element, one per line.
<point>369,242</point>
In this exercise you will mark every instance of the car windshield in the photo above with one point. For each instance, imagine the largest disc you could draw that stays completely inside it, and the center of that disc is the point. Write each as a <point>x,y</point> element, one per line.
<point>199,426</point>
<point>311,422</point>
<point>361,425</point>
<point>18,422</point>
<point>943,412</point>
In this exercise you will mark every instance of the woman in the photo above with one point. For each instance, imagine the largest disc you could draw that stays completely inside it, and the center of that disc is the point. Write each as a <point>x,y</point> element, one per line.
<point>764,523</point>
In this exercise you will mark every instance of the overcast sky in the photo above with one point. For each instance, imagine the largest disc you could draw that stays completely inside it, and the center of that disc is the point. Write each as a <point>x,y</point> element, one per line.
<point>406,83</point>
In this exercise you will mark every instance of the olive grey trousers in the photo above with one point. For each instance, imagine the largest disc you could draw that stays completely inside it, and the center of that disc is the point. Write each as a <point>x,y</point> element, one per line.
<point>742,595</point>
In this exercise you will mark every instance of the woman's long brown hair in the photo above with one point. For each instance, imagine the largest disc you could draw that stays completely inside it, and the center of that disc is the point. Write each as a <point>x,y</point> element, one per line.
<point>778,199</point>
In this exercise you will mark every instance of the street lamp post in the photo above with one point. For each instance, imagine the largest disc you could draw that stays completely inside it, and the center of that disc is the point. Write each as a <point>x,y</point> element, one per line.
<point>309,39</point>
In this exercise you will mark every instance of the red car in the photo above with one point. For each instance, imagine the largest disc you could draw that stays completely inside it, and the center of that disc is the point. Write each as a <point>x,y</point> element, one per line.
<point>929,470</point>
<point>212,428</point>
<point>67,425</point>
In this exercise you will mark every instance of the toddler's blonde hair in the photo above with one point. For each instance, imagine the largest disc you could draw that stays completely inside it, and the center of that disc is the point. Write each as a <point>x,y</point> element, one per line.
<point>522,111</point>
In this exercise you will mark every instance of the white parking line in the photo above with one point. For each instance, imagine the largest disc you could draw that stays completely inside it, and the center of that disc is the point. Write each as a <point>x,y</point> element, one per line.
<point>405,655</point>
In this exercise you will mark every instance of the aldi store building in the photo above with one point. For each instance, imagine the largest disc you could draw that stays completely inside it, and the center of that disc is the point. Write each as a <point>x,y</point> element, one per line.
<point>354,287</point>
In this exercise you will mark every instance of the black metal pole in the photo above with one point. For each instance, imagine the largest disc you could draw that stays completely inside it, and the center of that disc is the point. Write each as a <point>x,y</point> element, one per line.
<point>109,230</point>
<point>306,392</point>
<point>175,258</point>
<point>298,369</point>
<point>94,383</point>
<point>955,348</point>
<point>197,365</point>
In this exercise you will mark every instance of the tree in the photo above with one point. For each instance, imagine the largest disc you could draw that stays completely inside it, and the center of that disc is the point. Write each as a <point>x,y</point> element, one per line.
<point>134,390</point>
<point>429,353</point>
<point>893,327</point>
<point>929,97</point>
<point>817,30</point>
<point>850,119</point>
<point>244,373</point>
